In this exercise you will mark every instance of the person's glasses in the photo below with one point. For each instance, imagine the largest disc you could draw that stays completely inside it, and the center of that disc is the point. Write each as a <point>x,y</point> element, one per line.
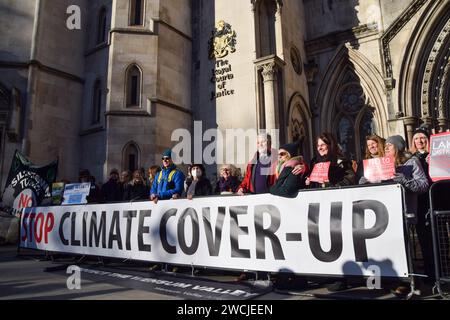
<point>166,158</point>
<point>282,154</point>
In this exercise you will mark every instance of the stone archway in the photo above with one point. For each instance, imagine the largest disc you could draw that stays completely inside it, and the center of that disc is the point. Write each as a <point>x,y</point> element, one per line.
<point>351,102</point>
<point>424,89</point>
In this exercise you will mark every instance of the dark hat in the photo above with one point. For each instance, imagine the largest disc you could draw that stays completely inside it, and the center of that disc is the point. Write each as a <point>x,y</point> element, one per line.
<point>422,129</point>
<point>84,173</point>
<point>167,153</point>
<point>198,165</point>
<point>292,148</point>
<point>114,171</point>
<point>398,142</point>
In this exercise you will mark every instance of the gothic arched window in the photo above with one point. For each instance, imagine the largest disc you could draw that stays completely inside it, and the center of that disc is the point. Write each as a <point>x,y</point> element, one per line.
<point>354,118</point>
<point>133,86</point>
<point>131,157</point>
<point>136,12</point>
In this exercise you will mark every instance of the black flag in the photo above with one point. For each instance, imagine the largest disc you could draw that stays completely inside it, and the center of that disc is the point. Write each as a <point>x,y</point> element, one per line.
<point>27,184</point>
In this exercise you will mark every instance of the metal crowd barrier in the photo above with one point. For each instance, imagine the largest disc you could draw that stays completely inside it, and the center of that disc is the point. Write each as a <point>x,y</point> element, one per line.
<point>440,223</point>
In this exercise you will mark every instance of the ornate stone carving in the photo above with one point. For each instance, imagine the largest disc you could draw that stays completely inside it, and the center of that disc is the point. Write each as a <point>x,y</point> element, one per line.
<point>443,103</point>
<point>395,28</point>
<point>351,98</point>
<point>223,41</point>
<point>269,71</point>
<point>430,66</point>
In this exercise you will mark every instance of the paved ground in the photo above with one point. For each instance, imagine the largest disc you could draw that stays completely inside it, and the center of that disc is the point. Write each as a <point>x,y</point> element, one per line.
<point>23,277</point>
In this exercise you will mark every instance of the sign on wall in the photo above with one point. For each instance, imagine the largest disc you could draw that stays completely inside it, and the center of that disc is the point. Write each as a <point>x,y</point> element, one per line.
<point>222,43</point>
<point>330,232</point>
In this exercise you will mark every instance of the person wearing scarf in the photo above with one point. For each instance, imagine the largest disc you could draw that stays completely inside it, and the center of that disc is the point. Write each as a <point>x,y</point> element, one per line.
<point>288,184</point>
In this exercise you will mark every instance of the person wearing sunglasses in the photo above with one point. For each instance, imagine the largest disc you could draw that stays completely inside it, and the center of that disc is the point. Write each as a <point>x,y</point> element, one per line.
<point>169,182</point>
<point>288,184</point>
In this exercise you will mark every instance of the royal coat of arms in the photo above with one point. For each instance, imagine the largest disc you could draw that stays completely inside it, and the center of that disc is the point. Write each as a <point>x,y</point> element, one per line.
<point>223,41</point>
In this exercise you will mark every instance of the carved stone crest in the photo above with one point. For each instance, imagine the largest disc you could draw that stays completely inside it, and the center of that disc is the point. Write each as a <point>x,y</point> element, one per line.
<point>223,41</point>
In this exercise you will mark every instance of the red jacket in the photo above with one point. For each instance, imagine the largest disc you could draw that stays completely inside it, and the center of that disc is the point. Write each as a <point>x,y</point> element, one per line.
<point>248,183</point>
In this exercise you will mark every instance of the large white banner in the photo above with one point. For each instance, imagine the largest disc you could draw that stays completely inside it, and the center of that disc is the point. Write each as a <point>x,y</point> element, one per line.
<point>351,231</point>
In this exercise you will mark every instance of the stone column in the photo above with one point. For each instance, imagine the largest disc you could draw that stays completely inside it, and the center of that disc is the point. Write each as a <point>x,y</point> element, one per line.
<point>278,32</point>
<point>410,123</point>
<point>269,73</point>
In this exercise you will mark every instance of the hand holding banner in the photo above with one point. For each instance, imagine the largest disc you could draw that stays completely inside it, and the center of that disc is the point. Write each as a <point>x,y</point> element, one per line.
<point>320,172</point>
<point>379,169</point>
<point>440,156</point>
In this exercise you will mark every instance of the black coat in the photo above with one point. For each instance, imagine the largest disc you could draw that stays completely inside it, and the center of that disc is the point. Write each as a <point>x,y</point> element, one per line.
<point>112,191</point>
<point>202,188</point>
<point>340,174</point>
<point>288,184</point>
<point>135,192</point>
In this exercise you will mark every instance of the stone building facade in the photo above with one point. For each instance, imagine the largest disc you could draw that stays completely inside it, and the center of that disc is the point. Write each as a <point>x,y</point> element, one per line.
<point>110,94</point>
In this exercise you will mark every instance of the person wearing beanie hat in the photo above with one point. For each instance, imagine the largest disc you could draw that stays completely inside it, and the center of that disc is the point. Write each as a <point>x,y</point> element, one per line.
<point>288,184</point>
<point>292,148</point>
<point>169,182</point>
<point>410,175</point>
<point>420,149</point>
<point>200,184</point>
<point>398,142</point>
<point>167,153</point>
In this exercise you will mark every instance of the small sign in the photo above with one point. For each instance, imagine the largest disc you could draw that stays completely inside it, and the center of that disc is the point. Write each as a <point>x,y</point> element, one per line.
<point>57,193</point>
<point>76,193</point>
<point>379,169</point>
<point>439,167</point>
<point>320,172</point>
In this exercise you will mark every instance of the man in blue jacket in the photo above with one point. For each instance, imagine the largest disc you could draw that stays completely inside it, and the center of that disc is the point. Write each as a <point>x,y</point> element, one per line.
<point>169,182</point>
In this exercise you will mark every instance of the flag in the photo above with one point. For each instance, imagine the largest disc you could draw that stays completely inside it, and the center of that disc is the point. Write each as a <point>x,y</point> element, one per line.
<point>27,185</point>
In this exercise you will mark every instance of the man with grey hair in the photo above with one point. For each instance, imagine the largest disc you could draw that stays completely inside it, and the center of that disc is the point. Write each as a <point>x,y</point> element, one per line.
<point>261,170</point>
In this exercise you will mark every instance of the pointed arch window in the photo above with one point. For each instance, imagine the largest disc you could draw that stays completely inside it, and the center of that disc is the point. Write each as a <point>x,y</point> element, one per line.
<point>96,102</point>
<point>133,87</point>
<point>136,12</point>
<point>102,27</point>
<point>354,118</point>
<point>131,157</point>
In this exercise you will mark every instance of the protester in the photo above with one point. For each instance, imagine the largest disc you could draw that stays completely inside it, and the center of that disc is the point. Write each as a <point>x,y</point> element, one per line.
<point>125,177</point>
<point>228,182</point>
<point>188,179</point>
<point>94,196</point>
<point>152,171</point>
<point>261,171</point>
<point>288,184</point>
<point>374,149</point>
<point>200,184</point>
<point>340,174</point>
<point>420,150</point>
<point>410,175</point>
<point>168,183</point>
<point>112,191</point>
<point>136,188</point>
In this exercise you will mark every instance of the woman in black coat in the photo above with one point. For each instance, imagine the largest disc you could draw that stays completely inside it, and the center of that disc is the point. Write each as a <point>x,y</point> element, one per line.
<point>200,185</point>
<point>287,183</point>
<point>341,172</point>
<point>136,188</point>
